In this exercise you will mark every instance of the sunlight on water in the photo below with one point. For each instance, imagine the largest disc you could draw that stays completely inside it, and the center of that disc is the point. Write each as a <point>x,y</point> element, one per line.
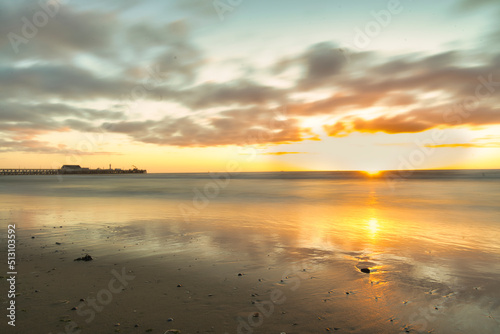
<point>373,227</point>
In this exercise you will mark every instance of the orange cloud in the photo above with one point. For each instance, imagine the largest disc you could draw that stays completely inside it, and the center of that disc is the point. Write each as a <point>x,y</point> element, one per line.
<point>283,153</point>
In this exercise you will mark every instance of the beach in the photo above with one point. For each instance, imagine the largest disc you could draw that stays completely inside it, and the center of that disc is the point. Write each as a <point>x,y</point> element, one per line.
<point>253,253</point>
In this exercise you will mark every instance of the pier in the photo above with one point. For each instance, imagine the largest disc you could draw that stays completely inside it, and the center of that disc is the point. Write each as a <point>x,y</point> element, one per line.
<point>70,169</point>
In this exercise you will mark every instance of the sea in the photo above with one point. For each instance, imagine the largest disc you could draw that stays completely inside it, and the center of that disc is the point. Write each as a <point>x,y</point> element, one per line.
<point>434,231</point>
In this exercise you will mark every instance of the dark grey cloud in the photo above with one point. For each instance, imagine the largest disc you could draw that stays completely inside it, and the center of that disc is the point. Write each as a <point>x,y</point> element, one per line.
<point>181,59</point>
<point>19,112</point>
<point>73,83</point>
<point>239,92</point>
<point>323,62</point>
<point>35,30</point>
<point>320,64</point>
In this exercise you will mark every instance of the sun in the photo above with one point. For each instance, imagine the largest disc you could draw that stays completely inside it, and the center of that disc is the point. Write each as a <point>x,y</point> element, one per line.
<point>372,172</point>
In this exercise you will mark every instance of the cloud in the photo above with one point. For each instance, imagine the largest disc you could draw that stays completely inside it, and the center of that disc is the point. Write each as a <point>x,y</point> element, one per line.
<point>467,145</point>
<point>282,153</point>
<point>320,64</point>
<point>83,56</point>
<point>490,141</point>
<point>416,120</point>
<point>240,92</point>
<point>22,123</point>
<point>322,61</point>
<point>63,33</point>
<point>36,113</point>
<point>231,127</point>
<point>42,147</point>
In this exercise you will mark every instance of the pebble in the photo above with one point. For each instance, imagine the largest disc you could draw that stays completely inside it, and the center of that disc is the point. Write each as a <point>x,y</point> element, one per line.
<point>240,274</point>
<point>365,270</point>
<point>87,257</point>
<point>74,308</point>
<point>179,285</point>
<point>170,319</point>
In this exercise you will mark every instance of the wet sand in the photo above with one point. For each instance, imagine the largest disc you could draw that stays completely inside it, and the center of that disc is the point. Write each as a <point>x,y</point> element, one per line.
<point>299,246</point>
<point>288,289</point>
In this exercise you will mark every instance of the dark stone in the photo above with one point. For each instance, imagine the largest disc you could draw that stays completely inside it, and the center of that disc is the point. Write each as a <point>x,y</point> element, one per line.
<point>74,308</point>
<point>365,270</point>
<point>85,258</point>
<point>179,285</point>
<point>32,237</point>
<point>240,274</point>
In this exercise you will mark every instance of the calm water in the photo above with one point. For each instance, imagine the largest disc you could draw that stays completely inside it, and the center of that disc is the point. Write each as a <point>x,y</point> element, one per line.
<point>431,231</point>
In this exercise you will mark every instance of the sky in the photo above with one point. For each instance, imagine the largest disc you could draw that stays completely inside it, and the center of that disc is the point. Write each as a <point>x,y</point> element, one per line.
<point>204,85</point>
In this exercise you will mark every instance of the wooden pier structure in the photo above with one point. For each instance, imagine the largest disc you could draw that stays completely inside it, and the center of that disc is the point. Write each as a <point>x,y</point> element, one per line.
<point>69,169</point>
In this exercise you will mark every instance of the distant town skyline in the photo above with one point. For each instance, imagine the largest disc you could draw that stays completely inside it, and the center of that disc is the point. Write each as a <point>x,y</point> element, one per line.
<point>200,85</point>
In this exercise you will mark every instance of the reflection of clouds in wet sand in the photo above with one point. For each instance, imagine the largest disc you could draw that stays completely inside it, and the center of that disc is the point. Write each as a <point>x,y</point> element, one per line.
<point>430,269</point>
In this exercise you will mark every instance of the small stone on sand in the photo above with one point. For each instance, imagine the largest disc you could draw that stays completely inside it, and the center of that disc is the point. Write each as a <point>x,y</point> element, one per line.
<point>84,258</point>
